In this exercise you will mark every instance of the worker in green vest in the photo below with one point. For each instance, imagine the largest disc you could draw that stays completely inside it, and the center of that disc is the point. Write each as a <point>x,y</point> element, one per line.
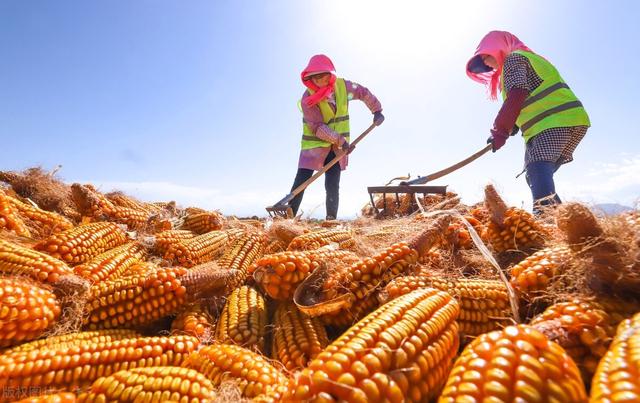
<point>325,126</point>
<point>538,102</point>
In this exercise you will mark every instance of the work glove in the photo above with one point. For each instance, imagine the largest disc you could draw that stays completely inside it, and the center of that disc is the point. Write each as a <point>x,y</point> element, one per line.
<point>497,140</point>
<point>378,118</point>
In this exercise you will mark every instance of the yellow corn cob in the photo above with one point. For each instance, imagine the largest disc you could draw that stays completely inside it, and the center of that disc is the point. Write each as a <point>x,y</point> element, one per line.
<point>251,372</point>
<point>45,222</point>
<point>484,304</point>
<point>279,274</point>
<point>317,239</point>
<point>62,397</point>
<point>400,352</point>
<point>347,293</point>
<point>26,311</point>
<point>94,204</point>
<point>135,299</point>
<point>121,200</point>
<point>243,251</point>
<point>132,218</point>
<point>71,339</point>
<point>534,274</point>
<point>151,384</point>
<point>361,279</point>
<point>195,320</point>
<point>243,319</point>
<point>616,379</point>
<point>84,242</point>
<point>584,328</point>
<point>163,240</point>
<point>197,250</point>
<point>297,338</point>
<point>15,259</point>
<point>111,264</point>
<point>201,223</point>
<point>511,228</point>
<point>515,364</point>
<point>194,210</point>
<point>10,219</point>
<point>79,365</point>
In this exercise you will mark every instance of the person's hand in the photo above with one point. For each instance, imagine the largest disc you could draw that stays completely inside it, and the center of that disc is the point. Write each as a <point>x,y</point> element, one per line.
<point>378,118</point>
<point>497,140</point>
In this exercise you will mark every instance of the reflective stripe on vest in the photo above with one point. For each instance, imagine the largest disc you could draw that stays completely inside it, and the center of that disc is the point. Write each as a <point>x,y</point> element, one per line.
<point>337,121</point>
<point>552,104</point>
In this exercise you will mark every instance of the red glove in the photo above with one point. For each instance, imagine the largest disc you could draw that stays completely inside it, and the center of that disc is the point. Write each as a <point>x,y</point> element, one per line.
<point>497,140</point>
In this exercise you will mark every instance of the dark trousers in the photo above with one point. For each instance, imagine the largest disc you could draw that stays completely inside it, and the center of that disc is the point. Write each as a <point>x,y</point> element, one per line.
<point>331,185</point>
<point>543,188</point>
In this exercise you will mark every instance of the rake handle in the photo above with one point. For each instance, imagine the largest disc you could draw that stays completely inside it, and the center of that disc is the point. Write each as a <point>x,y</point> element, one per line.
<point>324,169</point>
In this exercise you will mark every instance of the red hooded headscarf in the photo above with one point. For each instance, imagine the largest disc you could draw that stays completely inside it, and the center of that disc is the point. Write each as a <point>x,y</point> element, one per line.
<point>318,64</point>
<point>497,44</point>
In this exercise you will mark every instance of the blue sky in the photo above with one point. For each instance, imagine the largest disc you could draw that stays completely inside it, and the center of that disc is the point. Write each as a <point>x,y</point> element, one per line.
<point>196,101</point>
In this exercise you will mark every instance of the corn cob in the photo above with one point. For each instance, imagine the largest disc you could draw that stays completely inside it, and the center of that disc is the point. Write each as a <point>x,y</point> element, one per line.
<point>84,242</point>
<point>243,319</point>
<point>202,223</point>
<point>79,365</point>
<point>9,217</point>
<point>26,311</point>
<point>121,200</point>
<point>511,228</point>
<point>361,279</point>
<point>151,384</point>
<point>192,210</point>
<point>584,328</point>
<point>516,364</point>
<point>279,274</point>
<point>243,251</point>
<point>195,320</point>
<point>484,304</point>
<point>297,338</point>
<point>163,240</point>
<point>71,339</point>
<point>534,274</point>
<point>317,239</point>
<point>15,259</point>
<point>46,222</point>
<point>612,264</point>
<point>347,294</point>
<point>197,250</point>
<point>252,373</point>
<point>135,299</point>
<point>94,204</point>
<point>208,280</point>
<point>62,397</point>
<point>133,219</point>
<point>400,352</point>
<point>616,379</point>
<point>112,263</point>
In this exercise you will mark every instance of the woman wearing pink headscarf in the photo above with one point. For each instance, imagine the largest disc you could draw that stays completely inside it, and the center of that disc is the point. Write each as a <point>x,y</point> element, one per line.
<point>537,101</point>
<point>326,126</point>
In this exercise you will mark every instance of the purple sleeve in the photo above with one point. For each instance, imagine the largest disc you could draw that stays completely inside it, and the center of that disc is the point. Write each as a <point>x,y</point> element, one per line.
<point>313,118</point>
<point>357,91</point>
<point>510,111</point>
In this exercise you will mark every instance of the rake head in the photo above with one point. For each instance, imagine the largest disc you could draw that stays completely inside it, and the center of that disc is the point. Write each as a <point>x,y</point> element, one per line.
<point>280,211</point>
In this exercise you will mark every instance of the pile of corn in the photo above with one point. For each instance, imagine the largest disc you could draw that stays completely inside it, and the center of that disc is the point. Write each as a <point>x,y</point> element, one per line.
<point>135,301</point>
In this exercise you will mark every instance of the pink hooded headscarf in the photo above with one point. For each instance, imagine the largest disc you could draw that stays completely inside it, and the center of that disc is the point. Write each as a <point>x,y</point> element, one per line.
<point>318,64</point>
<point>498,44</point>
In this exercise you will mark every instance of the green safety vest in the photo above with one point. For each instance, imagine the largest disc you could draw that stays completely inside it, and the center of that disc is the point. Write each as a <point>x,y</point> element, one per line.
<point>552,104</point>
<point>337,121</point>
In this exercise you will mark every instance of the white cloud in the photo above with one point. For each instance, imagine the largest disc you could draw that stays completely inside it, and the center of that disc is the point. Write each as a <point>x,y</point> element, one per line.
<point>608,182</point>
